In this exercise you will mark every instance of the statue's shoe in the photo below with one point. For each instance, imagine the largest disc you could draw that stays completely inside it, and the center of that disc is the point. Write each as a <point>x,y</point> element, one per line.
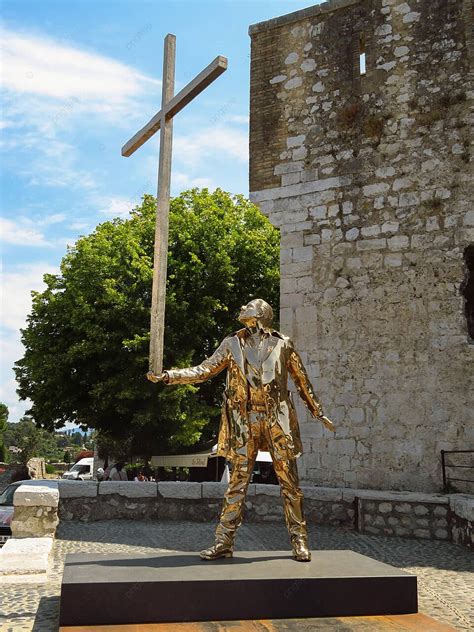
<point>301,552</point>
<point>218,550</point>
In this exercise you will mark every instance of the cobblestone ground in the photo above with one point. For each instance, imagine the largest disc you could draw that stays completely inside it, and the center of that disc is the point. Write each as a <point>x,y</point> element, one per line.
<point>445,571</point>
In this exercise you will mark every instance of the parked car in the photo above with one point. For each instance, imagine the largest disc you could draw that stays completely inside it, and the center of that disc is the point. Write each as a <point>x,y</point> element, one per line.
<point>83,470</point>
<point>6,504</point>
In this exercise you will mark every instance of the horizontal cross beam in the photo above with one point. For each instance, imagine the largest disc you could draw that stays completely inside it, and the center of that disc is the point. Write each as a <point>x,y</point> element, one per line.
<point>177,103</point>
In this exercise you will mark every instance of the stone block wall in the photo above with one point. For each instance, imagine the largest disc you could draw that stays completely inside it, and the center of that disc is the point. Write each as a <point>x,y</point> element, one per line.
<point>89,501</point>
<point>462,519</point>
<point>368,178</point>
<point>36,512</point>
<point>405,514</point>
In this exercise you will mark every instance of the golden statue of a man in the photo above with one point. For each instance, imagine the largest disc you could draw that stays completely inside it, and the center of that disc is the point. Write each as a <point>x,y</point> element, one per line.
<point>257,414</point>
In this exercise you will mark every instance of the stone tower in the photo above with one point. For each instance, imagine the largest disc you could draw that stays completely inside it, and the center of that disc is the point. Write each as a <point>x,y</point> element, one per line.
<point>359,154</point>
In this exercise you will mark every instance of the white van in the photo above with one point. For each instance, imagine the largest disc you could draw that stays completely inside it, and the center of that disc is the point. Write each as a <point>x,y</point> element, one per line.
<point>83,470</point>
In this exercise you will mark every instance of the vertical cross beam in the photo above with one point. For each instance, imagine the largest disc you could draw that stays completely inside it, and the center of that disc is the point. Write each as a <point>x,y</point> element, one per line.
<point>158,295</point>
<point>170,105</point>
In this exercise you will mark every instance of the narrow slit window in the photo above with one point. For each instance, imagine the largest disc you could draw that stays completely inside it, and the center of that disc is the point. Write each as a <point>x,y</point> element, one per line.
<point>362,55</point>
<point>467,290</point>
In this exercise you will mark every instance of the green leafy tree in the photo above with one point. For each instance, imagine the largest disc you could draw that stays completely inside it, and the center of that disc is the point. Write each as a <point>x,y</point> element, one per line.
<point>62,440</point>
<point>87,336</point>
<point>66,457</point>
<point>3,427</point>
<point>31,440</point>
<point>111,449</point>
<point>76,438</point>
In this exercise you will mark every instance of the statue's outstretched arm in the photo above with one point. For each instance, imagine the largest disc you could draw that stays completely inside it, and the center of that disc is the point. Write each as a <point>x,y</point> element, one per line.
<point>305,389</point>
<point>200,373</point>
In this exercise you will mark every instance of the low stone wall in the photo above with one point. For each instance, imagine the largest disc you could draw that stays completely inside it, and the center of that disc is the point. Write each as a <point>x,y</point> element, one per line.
<point>89,500</point>
<point>61,467</point>
<point>462,519</point>
<point>36,512</point>
<point>405,514</point>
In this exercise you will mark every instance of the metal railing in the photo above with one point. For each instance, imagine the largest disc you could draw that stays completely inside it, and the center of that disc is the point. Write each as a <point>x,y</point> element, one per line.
<point>447,479</point>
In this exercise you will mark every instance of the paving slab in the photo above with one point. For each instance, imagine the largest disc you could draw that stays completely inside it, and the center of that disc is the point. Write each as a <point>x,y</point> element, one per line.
<point>25,560</point>
<point>445,571</point>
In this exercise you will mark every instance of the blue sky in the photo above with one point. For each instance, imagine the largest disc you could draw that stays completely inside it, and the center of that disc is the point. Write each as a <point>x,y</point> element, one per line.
<point>79,79</point>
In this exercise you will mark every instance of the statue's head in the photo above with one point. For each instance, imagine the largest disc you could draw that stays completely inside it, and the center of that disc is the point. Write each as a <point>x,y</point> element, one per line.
<point>256,313</point>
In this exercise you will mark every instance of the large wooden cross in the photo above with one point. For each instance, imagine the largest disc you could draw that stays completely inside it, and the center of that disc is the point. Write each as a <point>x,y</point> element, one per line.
<point>170,105</point>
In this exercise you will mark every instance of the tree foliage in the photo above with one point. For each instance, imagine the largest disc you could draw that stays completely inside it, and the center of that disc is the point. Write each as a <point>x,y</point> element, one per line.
<point>32,441</point>
<point>87,336</point>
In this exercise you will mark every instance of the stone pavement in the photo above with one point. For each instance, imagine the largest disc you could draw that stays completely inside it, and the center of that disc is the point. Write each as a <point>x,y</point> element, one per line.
<point>445,571</point>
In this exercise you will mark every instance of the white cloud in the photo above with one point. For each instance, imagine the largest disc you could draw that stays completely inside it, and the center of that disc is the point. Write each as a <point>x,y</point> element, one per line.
<point>59,175</point>
<point>52,89</point>
<point>182,181</point>
<point>55,218</point>
<point>11,350</point>
<point>52,162</point>
<point>17,284</point>
<point>115,206</point>
<point>34,64</point>
<point>212,142</point>
<point>79,226</point>
<point>20,234</point>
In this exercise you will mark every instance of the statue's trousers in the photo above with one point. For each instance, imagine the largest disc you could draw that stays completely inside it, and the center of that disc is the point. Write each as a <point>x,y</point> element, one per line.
<point>263,436</point>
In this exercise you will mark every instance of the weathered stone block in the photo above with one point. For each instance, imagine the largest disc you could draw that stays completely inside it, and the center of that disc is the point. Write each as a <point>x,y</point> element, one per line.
<point>213,490</point>
<point>25,560</point>
<point>421,510</point>
<point>463,506</point>
<point>371,244</point>
<point>371,190</point>
<point>129,489</point>
<point>422,533</point>
<point>322,493</point>
<point>398,242</point>
<point>177,489</point>
<point>441,534</point>
<point>267,490</point>
<point>77,489</point>
<point>352,234</point>
<point>409,199</point>
<point>35,512</point>
<point>35,496</point>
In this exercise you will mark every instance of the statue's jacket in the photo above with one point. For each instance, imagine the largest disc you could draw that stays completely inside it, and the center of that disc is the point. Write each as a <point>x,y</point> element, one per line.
<point>278,359</point>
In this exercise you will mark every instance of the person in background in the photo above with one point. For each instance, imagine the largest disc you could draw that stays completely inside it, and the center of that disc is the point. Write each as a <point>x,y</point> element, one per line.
<point>117,473</point>
<point>140,477</point>
<point>100,474</point>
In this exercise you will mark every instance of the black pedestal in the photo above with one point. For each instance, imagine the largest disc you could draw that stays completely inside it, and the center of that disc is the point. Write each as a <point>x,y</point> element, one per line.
<point>165,587</point>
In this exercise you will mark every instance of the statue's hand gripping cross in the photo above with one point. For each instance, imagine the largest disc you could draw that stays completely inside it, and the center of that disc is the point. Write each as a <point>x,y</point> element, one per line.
<point>170,105</point>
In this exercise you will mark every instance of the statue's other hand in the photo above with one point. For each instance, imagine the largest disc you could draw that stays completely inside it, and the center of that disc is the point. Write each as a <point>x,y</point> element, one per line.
<point>156,378</point>
<point>328,423</point>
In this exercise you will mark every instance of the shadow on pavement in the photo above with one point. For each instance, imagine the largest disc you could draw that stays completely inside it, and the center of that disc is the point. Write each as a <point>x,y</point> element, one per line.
<point>47,615</point>
<point>194,536</point>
